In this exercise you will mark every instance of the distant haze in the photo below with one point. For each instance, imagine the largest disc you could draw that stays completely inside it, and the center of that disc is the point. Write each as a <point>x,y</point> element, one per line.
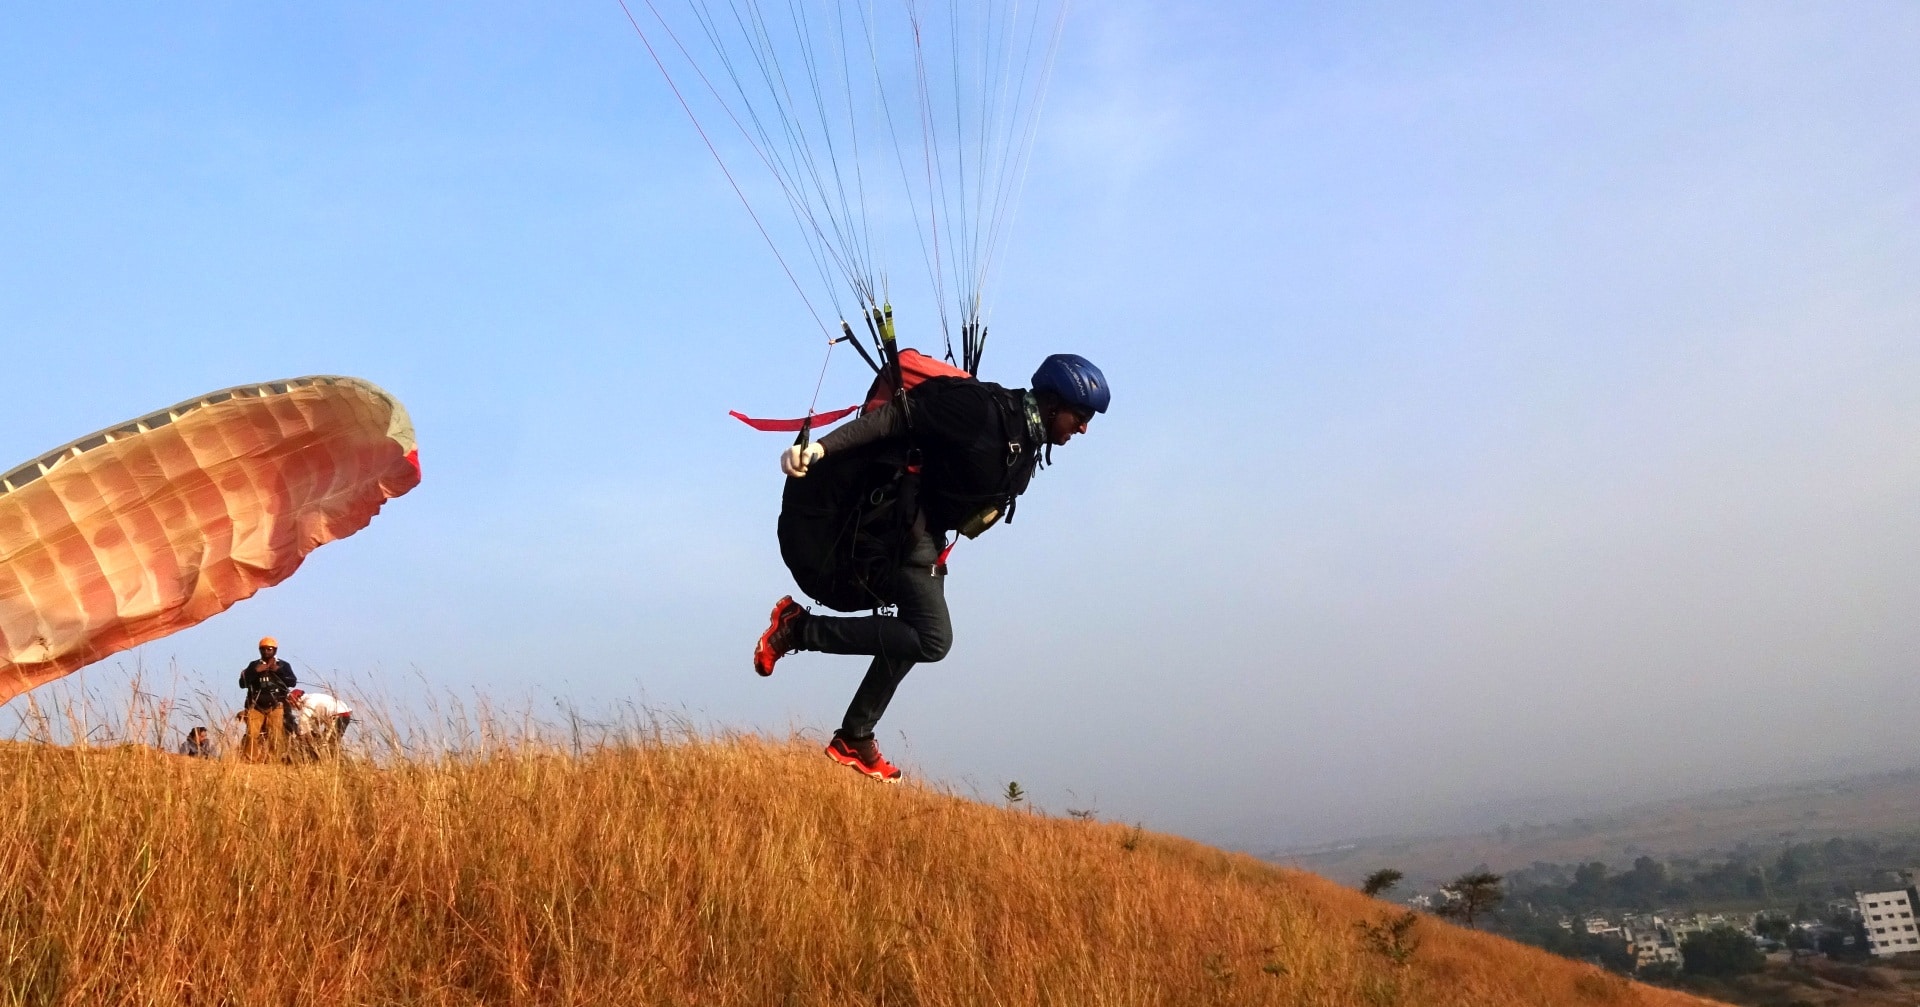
<point>1516,411</point>
<point>1879,806</point>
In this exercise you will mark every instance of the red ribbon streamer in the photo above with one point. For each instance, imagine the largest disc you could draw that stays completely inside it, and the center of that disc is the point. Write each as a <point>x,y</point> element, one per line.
<point>792,426</point>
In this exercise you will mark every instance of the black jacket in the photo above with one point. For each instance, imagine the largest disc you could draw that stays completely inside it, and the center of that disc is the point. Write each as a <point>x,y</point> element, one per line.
<point>975,447</point>
<point>267,685</point>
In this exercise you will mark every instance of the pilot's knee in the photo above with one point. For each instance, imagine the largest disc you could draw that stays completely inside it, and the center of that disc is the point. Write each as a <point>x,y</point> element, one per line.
<point>934,646</point>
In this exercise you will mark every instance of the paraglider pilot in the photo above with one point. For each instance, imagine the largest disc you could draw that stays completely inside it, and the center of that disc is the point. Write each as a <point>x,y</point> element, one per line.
<point>973,446</point>
<point>267,682</point>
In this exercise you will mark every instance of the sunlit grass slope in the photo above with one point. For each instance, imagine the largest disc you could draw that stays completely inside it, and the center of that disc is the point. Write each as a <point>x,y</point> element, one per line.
<point>652,872</point>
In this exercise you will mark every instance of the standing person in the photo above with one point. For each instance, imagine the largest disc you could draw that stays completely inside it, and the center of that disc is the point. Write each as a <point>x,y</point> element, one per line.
<point>972,446</point>
<point>199,745</point>
<point>322,719</point>
<point>267,681</point>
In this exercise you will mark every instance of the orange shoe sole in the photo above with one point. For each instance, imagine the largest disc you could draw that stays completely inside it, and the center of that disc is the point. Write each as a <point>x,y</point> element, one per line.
<point>853,762</point>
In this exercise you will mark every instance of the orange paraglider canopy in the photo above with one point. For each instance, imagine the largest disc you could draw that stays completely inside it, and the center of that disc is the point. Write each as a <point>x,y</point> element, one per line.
<point>149,527</point>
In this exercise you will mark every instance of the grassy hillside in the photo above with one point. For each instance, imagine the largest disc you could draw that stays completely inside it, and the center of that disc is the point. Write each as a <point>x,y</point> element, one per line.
<point>652,872</point>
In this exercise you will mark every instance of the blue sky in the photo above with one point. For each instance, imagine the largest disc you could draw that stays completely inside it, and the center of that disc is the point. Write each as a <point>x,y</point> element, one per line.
<point>1514,403</point>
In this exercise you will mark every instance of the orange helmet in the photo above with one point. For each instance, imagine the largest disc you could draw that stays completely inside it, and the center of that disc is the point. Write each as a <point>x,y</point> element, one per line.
<point>267,641</point>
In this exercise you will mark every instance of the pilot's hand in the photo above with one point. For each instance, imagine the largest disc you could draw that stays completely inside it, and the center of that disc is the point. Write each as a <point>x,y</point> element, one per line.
<point>795,460</point>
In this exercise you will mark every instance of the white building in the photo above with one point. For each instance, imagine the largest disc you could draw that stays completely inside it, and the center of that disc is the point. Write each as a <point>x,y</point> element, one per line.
<point>1889,919</point>
<point>1652,941</point>
<point>1698,923</point>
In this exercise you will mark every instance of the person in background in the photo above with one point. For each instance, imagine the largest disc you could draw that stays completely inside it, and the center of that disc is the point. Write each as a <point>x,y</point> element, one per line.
<point>321,719</point>
<point>267,682</point>
<point>199,745</point>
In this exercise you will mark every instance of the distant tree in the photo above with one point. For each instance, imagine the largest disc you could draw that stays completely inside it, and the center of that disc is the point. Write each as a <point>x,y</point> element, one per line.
<point>1800,875</point>
<point>1643,886</point>
<point>1781,931</point>
<point>1610,953</point>
<point>1589,887</point>
<point>1773,928</point>
<point>1791,867</point>
<point>1543,930</point>
<point>1845,939</point>
<point>1380,881</point>
<point>1722,951</point>
<point>1658,972</point>
<point>1474,894</point>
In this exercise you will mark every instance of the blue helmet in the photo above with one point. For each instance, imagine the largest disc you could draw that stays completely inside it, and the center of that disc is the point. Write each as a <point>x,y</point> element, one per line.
<point>1075,380</point>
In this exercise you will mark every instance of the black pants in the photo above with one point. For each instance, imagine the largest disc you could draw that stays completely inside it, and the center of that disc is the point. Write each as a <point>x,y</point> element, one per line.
<point>922,632</point>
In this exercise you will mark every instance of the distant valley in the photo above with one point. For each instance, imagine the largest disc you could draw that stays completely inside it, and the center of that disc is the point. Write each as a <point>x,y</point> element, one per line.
<point>1880,804</point>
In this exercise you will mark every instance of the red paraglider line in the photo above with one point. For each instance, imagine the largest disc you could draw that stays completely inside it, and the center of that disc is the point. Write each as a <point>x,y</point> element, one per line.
<point>711,149</point>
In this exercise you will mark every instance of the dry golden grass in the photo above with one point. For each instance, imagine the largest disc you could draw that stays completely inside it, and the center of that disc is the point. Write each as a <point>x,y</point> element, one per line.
<point>663,871</point>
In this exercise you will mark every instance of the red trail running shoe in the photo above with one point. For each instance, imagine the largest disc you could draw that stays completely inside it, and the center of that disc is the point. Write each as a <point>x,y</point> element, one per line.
<point>864,755</point>
<point>782,636</point>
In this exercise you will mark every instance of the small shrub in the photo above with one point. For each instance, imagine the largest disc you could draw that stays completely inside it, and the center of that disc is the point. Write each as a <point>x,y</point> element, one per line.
<point>1392,938</point>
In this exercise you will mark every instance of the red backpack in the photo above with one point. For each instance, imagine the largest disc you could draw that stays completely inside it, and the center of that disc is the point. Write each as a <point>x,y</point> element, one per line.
<point>915,367</point>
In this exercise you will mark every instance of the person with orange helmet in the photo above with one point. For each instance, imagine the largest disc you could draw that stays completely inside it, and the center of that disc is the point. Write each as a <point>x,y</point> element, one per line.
<point>267,681</point>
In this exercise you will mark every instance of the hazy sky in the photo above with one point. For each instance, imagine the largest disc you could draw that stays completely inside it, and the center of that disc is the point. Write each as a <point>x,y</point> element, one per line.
<point>1515,405</point>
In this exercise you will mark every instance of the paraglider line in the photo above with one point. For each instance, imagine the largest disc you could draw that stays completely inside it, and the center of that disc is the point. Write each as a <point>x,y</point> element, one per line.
<point>704,138</point>
<point>772,76</point>
<point>822,379</point>
<point>936,194</point>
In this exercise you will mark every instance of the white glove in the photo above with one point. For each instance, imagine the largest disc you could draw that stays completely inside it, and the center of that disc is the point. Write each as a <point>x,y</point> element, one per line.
<point>794,460</point>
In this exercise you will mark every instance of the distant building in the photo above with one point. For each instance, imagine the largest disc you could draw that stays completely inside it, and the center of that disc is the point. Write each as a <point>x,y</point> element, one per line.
<point>1889,918</point>
<point>1700,923</point>
<point>1600,926</point>
<point>1652,940</point>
